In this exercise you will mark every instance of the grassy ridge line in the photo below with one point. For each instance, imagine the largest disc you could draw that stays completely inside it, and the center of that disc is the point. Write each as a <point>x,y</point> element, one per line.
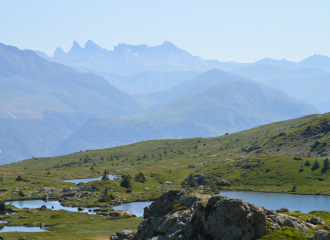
<point>160,161</point>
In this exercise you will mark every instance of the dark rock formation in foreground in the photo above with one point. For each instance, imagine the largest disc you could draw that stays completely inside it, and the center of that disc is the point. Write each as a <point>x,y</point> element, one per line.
<point>188,216</point>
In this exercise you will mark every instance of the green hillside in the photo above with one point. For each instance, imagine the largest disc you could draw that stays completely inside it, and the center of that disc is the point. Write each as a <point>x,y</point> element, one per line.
<point>239,161</point>
<point>171,160</point>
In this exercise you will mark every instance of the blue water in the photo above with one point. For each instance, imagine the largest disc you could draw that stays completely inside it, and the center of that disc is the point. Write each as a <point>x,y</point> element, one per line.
<point>273,201</point>
<point>136,208</point>
<point>21,229</point>
<point>87,180</point>
<point>49,204</point>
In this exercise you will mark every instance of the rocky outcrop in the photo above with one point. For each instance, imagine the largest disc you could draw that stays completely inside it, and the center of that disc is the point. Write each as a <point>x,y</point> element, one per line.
<point>126,234</point>
<point>279,220</point>
<point>117,213</point>
<point>180,215</point>
<point>223,182</point>
<point>314,220</point>
<point>42,207</point>
<point>281,210</point>
<point>322,235</point>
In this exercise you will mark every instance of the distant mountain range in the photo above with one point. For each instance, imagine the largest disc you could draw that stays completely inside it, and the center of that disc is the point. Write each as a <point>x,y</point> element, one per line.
<point>311,85</point>
<point>126,60</point>
<point>212,104</point>
<point>75,101</point>
<point>43,103</point>
<point>147,82</point>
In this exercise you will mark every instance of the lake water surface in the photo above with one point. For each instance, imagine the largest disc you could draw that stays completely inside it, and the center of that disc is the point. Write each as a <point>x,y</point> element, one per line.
<point>21,229</point>
<point>87,180</point>
<point>273,201</point>
<point>136,208</point>
<point>49,204</point>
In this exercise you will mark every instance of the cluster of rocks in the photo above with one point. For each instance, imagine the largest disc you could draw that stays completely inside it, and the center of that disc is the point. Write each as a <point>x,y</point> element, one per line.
<point>183,215</point>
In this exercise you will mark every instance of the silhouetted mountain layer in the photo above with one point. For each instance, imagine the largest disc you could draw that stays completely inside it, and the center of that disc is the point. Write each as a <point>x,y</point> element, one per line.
<point>207,110</point>
<point>43,103</point>
<point>311,85</point>
<point>205,80</point>
<point>266,72</point>
<point>147,82</point>
<point>126,60</point>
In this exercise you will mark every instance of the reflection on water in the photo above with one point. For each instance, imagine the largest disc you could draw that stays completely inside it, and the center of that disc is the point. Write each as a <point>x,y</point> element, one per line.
<point>273,201</point>
<point>136,208</point>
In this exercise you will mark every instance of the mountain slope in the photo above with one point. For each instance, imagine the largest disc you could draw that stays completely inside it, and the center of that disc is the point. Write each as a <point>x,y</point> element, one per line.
<point>212,111</point>
<point>127,60</point>
<point>30,85</point>
<point>147,82</point>
<point>204,80</point>
<point>43,103</point>
<point>314,90</point>
<point>309,140</point>
<point>266,72</point>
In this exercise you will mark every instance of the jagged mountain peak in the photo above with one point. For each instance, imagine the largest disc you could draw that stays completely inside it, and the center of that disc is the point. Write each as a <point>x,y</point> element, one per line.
<point>90,45</point>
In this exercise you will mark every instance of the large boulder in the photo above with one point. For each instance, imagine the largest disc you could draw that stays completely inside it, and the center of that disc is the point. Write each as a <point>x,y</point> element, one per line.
<point>314,220</point>
<point>281,210</point>
<point>279,220</point>
<point>181,215</point>
<point>322,235</point>
<point>126,234</point>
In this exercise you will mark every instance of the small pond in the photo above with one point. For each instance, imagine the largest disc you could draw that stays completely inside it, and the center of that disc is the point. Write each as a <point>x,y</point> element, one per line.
<point>136,208</point>
<point>21,229</point>
<point>49,204</point>
<point>87,180</point>
<point>273,201</point>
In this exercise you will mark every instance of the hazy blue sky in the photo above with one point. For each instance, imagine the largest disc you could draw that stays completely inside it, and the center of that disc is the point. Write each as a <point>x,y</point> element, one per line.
<point>237,30</point>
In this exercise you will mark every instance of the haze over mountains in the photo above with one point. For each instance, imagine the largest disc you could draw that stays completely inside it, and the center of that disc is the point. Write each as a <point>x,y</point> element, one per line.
<point>212,104</point>
<point>126,60</point>
<point>43,103</point>
<point>310,85</point>
<point>80,100</point>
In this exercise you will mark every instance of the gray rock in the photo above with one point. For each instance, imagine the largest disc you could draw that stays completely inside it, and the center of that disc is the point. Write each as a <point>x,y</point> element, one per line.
<point>326,228</point>
<point>315,220</point>
<point>310,225</point>
<point>180,215</point>
<point>69,194</point>
<point>322,235</point>
<point>283,209</point>
<point>126,234</point>
<point>42,207</point>
<point>223,182</point>
<point>279,220</point>
<point>81,208</point>
<point>42,225</point>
